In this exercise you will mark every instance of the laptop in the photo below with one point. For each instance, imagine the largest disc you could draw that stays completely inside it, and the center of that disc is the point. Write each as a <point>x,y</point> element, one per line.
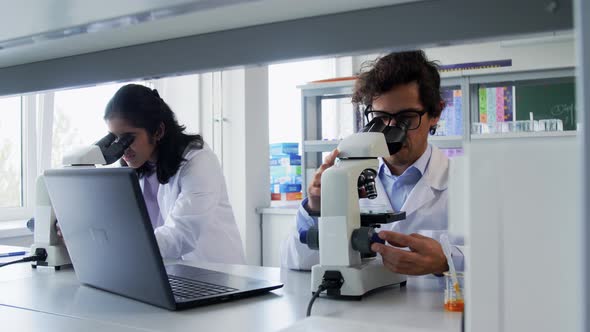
<point>111,242</point>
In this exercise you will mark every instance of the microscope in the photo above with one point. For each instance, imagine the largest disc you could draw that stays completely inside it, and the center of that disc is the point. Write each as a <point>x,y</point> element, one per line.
<point>104,152</point>
<point>348,267</point>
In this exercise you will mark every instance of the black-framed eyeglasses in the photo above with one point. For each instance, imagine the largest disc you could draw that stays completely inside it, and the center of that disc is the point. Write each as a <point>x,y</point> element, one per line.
<point>411,117</point>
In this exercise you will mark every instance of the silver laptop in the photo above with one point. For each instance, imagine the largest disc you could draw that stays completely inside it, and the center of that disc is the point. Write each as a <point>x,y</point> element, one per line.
<point>111,242</point>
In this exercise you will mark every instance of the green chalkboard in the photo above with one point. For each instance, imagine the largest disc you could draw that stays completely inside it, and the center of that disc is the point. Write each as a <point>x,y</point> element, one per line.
<point>547,101</point>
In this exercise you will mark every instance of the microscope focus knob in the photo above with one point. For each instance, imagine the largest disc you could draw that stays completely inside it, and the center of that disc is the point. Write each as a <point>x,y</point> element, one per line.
<point>362,239</point>
<point>311,237</point>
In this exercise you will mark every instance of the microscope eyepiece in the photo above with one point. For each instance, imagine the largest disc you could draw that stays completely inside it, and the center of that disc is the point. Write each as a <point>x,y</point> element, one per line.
<point>113,148</point>
<point>395,136</point>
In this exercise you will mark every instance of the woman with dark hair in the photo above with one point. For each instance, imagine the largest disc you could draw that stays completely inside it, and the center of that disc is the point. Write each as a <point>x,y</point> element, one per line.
<point>181,179</point>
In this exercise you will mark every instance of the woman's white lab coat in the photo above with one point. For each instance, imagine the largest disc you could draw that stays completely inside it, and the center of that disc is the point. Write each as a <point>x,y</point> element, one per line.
<point>199,224</point>
<point>425,207</point>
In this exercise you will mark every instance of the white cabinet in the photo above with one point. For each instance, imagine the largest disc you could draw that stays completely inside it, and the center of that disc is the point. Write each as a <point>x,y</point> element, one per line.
<point>276,224</point>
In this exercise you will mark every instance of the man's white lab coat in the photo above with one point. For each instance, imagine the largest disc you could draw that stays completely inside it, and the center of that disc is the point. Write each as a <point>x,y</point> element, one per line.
<point>425,207</point>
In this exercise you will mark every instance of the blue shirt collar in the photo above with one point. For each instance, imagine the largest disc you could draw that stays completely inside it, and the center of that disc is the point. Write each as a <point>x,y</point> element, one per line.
<point>419,165</point>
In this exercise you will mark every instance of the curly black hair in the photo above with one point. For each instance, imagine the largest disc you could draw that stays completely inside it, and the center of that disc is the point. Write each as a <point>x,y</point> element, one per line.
<point>143,108</point>
<point>380,76</point>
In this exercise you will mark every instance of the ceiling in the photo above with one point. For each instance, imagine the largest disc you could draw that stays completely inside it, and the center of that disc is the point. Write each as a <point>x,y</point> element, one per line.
<point>33,30</point>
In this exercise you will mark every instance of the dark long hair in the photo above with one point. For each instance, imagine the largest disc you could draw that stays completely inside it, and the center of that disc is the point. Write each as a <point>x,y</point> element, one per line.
<point>142,107</point>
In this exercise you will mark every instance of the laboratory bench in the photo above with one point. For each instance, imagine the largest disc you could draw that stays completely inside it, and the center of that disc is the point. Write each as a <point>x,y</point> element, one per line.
<point>30,298</point>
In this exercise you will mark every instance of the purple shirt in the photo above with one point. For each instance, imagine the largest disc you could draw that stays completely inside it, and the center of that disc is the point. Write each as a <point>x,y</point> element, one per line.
<point>150,195</point>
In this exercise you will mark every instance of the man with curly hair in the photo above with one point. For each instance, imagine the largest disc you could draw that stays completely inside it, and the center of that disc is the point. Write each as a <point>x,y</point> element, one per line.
<point>399,86</point>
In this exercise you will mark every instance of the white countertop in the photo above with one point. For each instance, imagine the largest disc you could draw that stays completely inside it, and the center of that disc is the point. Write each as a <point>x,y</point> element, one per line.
<point>14,228</point>
<point>59,293</point>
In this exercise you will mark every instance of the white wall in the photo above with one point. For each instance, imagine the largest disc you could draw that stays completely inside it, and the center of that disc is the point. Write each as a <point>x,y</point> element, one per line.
<point>524,249</point>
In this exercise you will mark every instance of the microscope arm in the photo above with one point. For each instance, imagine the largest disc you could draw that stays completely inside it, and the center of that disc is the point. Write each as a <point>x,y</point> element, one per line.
<point>106,151</point>
<point>45,232</point>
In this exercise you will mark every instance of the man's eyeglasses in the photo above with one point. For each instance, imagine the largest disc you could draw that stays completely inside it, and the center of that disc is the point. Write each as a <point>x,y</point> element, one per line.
<point>412,118</point>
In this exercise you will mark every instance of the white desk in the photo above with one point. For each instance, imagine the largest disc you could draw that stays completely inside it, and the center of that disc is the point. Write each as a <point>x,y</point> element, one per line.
<point>16,319</point>
<point>59,293</point>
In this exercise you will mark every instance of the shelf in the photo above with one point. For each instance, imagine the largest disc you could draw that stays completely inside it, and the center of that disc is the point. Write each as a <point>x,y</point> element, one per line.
<point>443,142</point>
<point>314,93</point>
<point>289,208</point>
<point>320,146</point>
<point>446,142</point>
<point>317,88</point>
<point>327,85</point>
<point>526,135</point>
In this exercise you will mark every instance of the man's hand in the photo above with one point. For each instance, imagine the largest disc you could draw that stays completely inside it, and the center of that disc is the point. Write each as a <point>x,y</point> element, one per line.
<point>426,255</point>
<point>314,190</point>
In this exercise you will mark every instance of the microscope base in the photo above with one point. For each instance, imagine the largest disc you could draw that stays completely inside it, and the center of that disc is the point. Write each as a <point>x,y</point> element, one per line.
<point>359,279</point>
<point>57,256</point>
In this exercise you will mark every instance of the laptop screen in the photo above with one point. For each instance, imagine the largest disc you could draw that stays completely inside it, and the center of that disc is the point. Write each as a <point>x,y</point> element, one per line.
<point>107,231</point>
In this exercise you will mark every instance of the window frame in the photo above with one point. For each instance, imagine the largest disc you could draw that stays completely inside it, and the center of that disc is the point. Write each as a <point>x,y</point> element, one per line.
<point>28,147</point>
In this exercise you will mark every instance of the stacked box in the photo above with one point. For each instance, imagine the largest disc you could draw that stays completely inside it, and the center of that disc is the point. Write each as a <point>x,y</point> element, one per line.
<point>285,160</point>
<point>284,148</point>
<point>285,172</point>
<point>285,188</point>
<point>286,196</point>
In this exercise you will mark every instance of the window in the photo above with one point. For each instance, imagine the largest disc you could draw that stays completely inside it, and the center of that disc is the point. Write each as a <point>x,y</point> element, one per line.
<point>11,152</point>
<point>285,121</point>
<point>285,98</point>
<point>338,118</point>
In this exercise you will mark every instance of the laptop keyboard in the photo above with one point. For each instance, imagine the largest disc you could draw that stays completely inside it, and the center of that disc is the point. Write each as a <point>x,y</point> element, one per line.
<point>186,289</point>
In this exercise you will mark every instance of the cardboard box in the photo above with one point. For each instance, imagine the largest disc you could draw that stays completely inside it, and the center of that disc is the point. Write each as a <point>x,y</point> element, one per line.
<point>285,188</point>
<point>286,196</point>
<point>285,160</point>
<point>284,148</point>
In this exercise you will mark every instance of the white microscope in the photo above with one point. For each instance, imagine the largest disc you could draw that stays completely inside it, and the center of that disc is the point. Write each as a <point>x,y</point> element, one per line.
<point>104,152</point>
<point>344,271</point>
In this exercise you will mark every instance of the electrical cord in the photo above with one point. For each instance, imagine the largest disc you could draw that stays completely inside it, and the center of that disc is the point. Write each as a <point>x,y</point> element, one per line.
<point>321,288</point>
<point>331,282</point>
<point>39,256</point>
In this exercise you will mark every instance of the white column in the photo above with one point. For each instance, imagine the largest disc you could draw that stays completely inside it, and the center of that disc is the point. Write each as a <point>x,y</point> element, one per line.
<point>245,150</point>
<point>582,26</point>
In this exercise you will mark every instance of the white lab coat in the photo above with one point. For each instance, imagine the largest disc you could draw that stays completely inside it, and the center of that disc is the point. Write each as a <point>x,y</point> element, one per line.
<point>425,207</point>
<point>199,223</point>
